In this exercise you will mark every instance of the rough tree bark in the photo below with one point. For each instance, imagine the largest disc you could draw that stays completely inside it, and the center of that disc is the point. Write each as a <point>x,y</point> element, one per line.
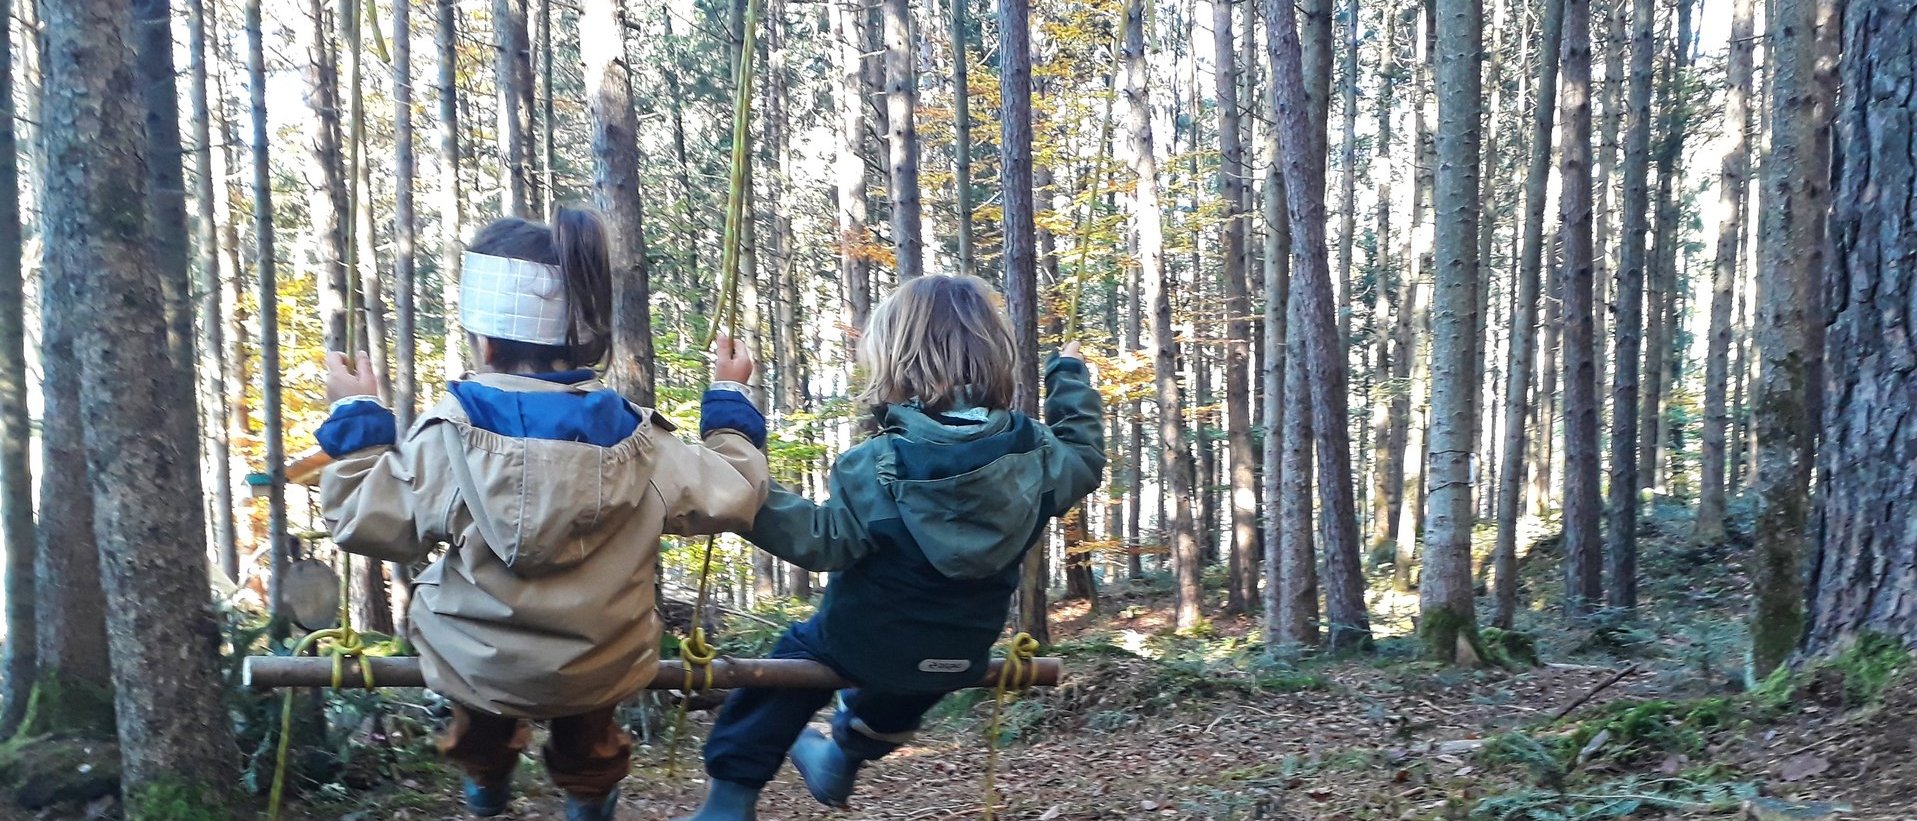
<point>1866,576</point>
<point>1231,179</point>
<point>1583,554</point>
<point>1449,623</point>
<point>272,428</point>
<point>1388,461</point>
<point>173,730</point>
<point>615,178</point>
<point>1350,626</point>
<point>901,98</point>
<point>1733,194</point>
<point>512,69</point>
<point>1524,317</point>
<point>21,667</point>
<point>1175,458</point>
<point>326,200</point>
<point>1620,539</point>
<point>1020,262</point>
<point>1790,269</point>
<point>166,180</point>
<point>452,212</point>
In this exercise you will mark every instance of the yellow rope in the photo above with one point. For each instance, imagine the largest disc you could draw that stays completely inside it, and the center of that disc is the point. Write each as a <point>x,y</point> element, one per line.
<point>697,656</point>
<point>1018,673</point>
<point>343,643</point>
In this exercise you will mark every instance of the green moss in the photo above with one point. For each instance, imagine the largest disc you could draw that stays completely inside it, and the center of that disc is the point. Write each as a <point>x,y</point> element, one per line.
<point>1510,648</point>
<point>1860,673</point>
<point>171,800</point>
<point>45,772</point>
<point>1442,631</point>
<point>63,704</point>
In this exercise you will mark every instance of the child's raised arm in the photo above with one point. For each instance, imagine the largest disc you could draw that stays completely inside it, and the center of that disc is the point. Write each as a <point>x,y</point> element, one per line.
<point>368,496</point>
<point>1075,413</point>
<point>719,485</point>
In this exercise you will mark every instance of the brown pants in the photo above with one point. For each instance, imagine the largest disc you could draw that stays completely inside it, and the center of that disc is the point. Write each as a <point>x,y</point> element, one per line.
<point>586,755</point>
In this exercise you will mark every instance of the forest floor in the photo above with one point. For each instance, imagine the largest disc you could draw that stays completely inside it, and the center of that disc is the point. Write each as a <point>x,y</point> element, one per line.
<point>1152,724</point>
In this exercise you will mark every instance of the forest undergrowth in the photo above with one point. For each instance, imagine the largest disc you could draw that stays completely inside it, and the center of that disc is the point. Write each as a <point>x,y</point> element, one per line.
<point>1619,719</point>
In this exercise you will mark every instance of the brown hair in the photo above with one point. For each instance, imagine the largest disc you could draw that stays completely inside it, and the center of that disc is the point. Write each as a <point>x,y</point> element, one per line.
<point>578,244</point>
<point>940,340</point>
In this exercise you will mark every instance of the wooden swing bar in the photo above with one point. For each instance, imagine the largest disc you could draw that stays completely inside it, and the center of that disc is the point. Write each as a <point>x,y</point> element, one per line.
<point>271,672</point>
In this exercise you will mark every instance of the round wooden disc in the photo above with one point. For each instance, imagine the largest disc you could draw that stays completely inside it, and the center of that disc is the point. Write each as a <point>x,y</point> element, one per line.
<point>312,594</point>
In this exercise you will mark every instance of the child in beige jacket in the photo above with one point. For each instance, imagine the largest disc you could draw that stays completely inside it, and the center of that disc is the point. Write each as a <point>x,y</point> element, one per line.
<point>552,492</point>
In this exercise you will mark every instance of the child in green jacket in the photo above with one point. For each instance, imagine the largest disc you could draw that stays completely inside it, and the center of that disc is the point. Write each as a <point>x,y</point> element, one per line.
<point>928,524</point>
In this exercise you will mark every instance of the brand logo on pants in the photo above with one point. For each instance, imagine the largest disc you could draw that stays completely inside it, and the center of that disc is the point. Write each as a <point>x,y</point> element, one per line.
<point>944,666</point>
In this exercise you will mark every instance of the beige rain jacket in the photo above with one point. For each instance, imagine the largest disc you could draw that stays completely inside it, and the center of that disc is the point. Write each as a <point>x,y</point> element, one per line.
<point>560,619</point>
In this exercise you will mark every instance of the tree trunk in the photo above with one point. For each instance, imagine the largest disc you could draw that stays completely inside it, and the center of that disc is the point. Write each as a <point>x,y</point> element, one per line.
<point>1278,480</point>
<point>1175,459</point>
<point>1388,459</point>
<point>1790,270</point>
<point>1237,379</point>
<point>1659,378</point>
<point>962,138</point>
<point>855,274</point>
<point>326,205</point>
<point>1620,545</point>
<point>1414,325</point>
<point>1304,173</point>
<point>513,70</point>
<point>451,206</point>
<point>616,191</point>
<point>166,179</point>
<point>211,285</point>
<point>1445,602</point>
<point>1733,193</point>
<point>1020,262</point>
<point>21,667</point>
<point>1296,576</point>
<point>901,98</point>
<point>1583,555</point>
<point>1865,569</point>
<point>173,728</point>
<point>1524,317</point>
<point>273,429</point>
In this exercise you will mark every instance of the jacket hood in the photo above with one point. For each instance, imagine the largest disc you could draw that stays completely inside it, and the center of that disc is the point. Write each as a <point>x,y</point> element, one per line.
<point>553,462</point>
<point>970,485</point>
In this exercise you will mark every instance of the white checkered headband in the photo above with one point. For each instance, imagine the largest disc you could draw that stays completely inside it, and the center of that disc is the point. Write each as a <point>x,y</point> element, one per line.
<point>506,298</point>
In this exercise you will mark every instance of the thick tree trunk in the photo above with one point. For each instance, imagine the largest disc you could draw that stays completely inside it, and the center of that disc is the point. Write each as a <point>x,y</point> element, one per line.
<point>1387,460</point>
<point>1866,571</point>
<point>902,136</point>
<point>1020,262</point>
<point>212,319</point>
<point>1733,194</point>
<point>1296,575</point>
<point>855,275</point>
<point>615,166</point>
<point>1231,179</point>
<point>1583,554</point>
<point>1524,317</point>
<point>451,207</point>
<point>1175,459</point>
<point>1789,273</point>
<point>512,69</point>
<point>1304,173</point>
<point>173,728</point>
<point>1620,539</point>
<point>1274,370</point>
<point>272,428</point>
<point>21,667</point>
<point>406,243</point>
<point>1449,623</point>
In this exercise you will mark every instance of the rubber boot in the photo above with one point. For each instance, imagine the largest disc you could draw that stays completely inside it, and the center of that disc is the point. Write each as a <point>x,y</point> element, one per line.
<point>828,772</point>
<point>727,801</point>
<point>487,802</point>
<point>578,809</point>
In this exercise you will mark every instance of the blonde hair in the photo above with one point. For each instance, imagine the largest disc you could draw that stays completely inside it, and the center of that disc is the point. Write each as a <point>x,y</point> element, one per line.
<point>940,340</point>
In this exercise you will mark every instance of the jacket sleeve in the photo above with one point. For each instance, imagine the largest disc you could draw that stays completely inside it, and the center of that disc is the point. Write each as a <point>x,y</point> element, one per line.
<point>821,537</point>
<point>369,495</point>
<point>1075,414</point>
<point>717,486</point>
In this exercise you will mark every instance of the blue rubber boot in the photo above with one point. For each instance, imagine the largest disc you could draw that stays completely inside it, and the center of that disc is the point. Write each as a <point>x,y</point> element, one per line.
<point>604,809</point>
<point>487,802</point>
<point>728,801</point>
<point>828,772</point>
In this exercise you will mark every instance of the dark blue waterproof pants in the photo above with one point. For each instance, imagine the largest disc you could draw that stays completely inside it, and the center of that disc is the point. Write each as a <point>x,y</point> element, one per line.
<point>757,726</point>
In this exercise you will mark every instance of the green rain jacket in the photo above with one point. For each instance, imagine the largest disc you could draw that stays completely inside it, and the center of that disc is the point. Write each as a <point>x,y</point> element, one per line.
<point>926,528</point>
